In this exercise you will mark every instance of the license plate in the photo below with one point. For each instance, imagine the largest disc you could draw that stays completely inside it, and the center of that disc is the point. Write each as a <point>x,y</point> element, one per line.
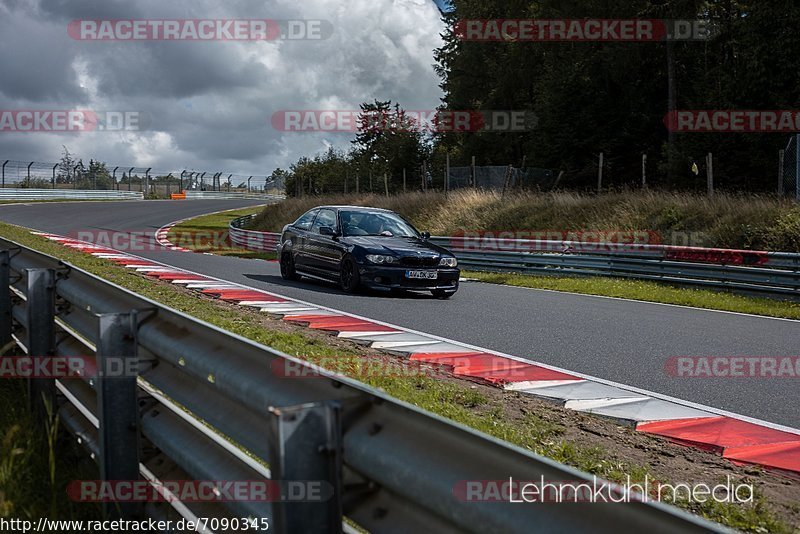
<point>422,275</point>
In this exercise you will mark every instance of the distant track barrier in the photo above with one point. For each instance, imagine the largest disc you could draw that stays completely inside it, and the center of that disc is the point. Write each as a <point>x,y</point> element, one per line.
<point>212,195</point>
<point>24,194</point>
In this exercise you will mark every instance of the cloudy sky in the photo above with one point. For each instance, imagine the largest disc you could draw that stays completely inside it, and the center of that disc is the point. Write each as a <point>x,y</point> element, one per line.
<point>208,104</point>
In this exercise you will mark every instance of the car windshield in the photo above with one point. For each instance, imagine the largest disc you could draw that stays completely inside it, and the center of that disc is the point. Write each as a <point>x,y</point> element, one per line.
<point>384,224</point>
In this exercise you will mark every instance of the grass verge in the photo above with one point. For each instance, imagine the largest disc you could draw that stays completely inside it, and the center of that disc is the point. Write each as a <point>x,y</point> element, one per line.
<point>209,233</point>
<point>647,292</point>
<point>589,443</point>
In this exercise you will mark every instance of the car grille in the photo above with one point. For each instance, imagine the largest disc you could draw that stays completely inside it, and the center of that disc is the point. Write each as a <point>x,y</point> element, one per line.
<point>419,261</point>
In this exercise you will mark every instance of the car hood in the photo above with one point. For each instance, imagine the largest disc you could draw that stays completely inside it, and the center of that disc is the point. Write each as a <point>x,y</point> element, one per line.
<point>401,246</point>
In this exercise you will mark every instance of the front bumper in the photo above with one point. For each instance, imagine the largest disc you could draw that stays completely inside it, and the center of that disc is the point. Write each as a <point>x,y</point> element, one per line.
<point>383,277</point>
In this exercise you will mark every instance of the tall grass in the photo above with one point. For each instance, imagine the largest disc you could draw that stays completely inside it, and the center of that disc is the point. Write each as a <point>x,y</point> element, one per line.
<point>37,461</point>
<point>729,221</point>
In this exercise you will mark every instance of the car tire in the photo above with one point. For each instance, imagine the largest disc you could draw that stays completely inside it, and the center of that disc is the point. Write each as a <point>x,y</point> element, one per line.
<point>288,271</point>
<point>443,293</point>
<point>349,279</point>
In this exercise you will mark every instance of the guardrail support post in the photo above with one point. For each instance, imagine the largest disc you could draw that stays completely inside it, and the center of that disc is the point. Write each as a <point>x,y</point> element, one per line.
<point>117,408</point>
<point>41,339</point>
<point>305,455</point>
<point>5,298</point>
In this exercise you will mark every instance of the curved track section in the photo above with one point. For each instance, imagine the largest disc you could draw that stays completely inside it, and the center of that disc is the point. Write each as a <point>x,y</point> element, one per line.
<point>616,340</point>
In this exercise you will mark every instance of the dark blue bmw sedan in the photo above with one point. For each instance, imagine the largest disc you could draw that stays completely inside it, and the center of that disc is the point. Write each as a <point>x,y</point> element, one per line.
<point>365,247</point>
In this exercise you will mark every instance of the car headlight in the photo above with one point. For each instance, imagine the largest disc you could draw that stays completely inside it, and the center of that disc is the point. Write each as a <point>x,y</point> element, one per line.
<point>448,262</point>
<point>381,259</point>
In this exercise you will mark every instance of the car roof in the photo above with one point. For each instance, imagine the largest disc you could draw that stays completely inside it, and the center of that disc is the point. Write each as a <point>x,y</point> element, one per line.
<point>354,208</point>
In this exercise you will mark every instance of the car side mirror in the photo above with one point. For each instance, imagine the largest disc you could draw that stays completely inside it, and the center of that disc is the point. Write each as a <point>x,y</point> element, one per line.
<point>327,230</point>
<point>426,235</point>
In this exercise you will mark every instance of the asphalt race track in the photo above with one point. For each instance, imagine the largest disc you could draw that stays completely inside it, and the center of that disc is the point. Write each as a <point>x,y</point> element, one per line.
<point>623,341</point>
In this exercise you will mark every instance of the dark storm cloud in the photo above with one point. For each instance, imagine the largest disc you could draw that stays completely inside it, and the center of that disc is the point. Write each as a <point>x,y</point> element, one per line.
<point>36,57</point>
<point>210,103</point>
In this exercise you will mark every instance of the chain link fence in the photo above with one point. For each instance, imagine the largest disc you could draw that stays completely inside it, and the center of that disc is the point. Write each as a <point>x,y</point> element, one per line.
<point>788,185</point>
<point>499,177</point>
<point>153,182</point>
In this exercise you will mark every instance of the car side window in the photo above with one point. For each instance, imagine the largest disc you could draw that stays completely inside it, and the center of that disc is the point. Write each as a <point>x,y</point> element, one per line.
<point>305,220</point>
<point>324,218</point>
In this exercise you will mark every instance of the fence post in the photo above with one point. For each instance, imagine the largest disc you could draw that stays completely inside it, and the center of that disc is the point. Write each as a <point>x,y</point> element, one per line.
<point>506,180</point>
<point>130,172</point>
<point>41,303</point>
<point>447,174</point>
<point>147,181</point>
<point>54,175</point>
<point>472,173</point>
<point>781,161</point>
<point>117,408</point>
<point>114,177</point>
<point>710,174</point>
<point>356,183</point>
<point>4,173</point>
<point>404,179</point>
<point>248,183</point>
<point>600,175</point>
<point>386,184</point>
<point>644,171</point>
<point>797,168</point>
<point>5,297</point>
<point>306,445</point>
<point>558,179</point>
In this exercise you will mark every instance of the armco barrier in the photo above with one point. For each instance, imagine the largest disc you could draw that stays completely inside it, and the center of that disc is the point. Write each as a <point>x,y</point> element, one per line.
<point>206,195</point>
<point>769,273</point>
<point>207,406</point>
<point>250,239</point>
<point>67,194</point>
<point>762,272</point>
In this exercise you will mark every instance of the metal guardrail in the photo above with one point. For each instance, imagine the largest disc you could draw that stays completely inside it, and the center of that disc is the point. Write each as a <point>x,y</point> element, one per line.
<point>67,194</point>
<point>198,195</point>
<point>206,405</point>
<point>251,239</point>
<point>768,273</point>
